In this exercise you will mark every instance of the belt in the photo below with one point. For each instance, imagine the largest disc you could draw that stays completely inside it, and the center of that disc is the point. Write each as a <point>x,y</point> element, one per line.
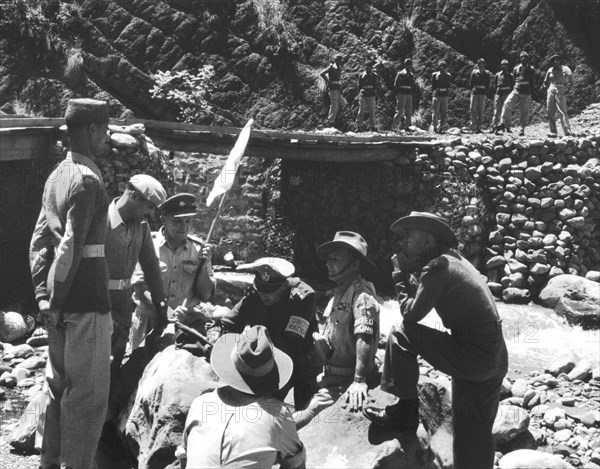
<point>367,87</point>
<point>119,284</point>
<point>406,87</point>
<point>480,87</point>
<point>334,82</point>
<point>339,370</point>
<point>93,250</point>
<point>522,83</point>
<point>441,89</point>
<point>504,88</point>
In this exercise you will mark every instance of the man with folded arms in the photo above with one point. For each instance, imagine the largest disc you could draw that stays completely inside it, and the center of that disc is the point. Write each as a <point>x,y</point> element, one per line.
<point>348,344</point>
<point>70,278</point>
<point>431,274</point>
<point>241,424</point>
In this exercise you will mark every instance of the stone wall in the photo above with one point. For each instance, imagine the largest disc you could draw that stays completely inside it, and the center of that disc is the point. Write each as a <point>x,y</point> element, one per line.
<point>524,211</point>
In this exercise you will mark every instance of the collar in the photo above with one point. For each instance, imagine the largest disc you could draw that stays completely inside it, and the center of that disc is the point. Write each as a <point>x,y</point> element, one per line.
<point>161,240</point>
<point>80,158</point>
<point>114,216</point>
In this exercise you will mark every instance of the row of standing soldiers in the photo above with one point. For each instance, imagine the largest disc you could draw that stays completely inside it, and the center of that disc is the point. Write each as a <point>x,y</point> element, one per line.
<point>509,89</point>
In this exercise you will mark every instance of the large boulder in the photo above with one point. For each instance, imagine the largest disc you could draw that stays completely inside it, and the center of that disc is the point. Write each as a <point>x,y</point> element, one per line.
<point>153,423</point>
<point>564,362</point>
<point>12,326</point>
<point>530,459</point>
<point>576,298</point>
<point>339,438</point>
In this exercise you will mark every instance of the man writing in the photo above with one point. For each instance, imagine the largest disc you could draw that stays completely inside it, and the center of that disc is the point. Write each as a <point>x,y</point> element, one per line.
<point>286,306</point>
<point>70,278</point>
<point>430,274</point>
<point>348,344</point>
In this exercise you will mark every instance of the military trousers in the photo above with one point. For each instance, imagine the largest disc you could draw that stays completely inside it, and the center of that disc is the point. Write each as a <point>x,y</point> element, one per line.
<point>77,384</point>
<point>476,359</point>
<point>524,102</point>
<point>403,111</point>
<point>334,105</point>
<point>440,112</point>
<point>498,104</point>
<point>477,109</point>
<point>556,101</point>
<point>366,104</point>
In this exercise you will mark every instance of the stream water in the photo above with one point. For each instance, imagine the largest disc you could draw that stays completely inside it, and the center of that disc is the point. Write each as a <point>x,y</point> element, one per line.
<point>534,335</point>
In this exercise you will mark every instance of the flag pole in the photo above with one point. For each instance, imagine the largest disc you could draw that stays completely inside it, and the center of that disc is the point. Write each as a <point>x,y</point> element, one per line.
<point>214,222</point>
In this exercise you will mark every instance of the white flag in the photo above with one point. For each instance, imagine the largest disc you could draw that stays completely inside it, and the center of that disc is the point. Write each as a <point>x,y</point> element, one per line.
<point>225,180</point>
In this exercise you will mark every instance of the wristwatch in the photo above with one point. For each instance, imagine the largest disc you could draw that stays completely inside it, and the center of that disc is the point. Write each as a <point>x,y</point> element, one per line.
<point>359,379</point>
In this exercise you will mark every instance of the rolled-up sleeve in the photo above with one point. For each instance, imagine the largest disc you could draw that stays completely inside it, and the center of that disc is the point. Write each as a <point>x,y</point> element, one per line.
<point>433,278</point>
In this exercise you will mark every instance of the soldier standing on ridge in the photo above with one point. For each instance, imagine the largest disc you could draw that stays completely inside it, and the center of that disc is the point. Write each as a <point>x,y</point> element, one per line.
<point>524,82</point>
<point>404,86</point>
<point>440,85</point>
<point>503,84</point>
<point>332,76</point>
<point>479,84</point>
<point>557,78</point>
<point>367,85</point>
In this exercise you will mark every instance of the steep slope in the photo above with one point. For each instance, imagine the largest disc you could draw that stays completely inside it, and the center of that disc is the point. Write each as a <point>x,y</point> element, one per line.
<point>271,73</point>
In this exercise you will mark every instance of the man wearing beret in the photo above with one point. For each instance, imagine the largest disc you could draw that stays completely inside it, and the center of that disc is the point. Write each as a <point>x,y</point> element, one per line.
<point>180,256</point>
<point>128,241</point>
<point>70,277</point>
<point>286,307</point>
<point>348,343</point>
<point>503,84</point>
<point>557,78</point>
<point>524,86</point>
<point>431,274</point>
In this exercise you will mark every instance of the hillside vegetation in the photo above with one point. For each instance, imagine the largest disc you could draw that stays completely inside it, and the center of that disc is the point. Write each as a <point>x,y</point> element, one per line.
<point>267,54</point>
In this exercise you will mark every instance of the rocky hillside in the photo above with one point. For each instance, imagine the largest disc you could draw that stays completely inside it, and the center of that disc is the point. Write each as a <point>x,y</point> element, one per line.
<point>267,53</point>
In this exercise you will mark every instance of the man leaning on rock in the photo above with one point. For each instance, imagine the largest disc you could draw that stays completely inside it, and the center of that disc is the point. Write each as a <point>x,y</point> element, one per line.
<point>348,344</point>
<point>431,274</point>
<point>70,278</point>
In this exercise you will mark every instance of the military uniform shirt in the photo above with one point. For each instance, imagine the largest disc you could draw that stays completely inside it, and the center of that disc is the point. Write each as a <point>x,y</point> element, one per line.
<point>367,84</point>
<point>352,310</point>
<point>125,246</point>
<point>440,83</point>
<point>404,82</point>
<point>524,78</point>
<point>67,261</point>
<point>335,75</point>
<point>558,76</point>
<point>290,322</point>
<point>178,269</point>
<point>503,82</point>
<point>479,81</point>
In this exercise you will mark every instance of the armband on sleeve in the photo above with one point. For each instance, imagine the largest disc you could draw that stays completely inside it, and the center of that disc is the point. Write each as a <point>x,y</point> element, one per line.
<point>298,326</point>
<point>364,325</point>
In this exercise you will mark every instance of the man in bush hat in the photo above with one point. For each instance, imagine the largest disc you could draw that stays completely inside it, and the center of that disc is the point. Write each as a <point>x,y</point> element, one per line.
<point>70,278</point>
<point>333,77</point>
<point>348,344</point>
<point>503,84</point>
<point>180,255</point>
<point>367,86</point>
<point>129,241</point>
<point>241,424</point>
<point>286,306</point>
<point>428,274</point>
<point>479,84</point>
<point>557,78</point>
<point>524,86</point>
<point>404,85</point>
<point>440,86</point>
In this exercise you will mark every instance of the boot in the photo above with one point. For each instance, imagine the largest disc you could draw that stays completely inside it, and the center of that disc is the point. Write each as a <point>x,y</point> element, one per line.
<point>402,416</point>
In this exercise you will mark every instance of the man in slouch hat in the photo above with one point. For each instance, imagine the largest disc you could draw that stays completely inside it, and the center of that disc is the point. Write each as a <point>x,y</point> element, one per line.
<point>431,274</point>
<point>70,278</point>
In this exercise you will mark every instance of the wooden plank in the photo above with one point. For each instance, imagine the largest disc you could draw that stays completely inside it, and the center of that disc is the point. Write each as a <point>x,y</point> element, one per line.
<point>27,143</point>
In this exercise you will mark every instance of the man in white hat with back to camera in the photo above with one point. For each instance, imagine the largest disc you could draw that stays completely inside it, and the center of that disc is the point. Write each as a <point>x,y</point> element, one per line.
<point>241,424</point>
<point>429,274</point>
<point>286,306</point>
<point>348,344</point>
<point>70,278</point>
<point>128,241</point>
